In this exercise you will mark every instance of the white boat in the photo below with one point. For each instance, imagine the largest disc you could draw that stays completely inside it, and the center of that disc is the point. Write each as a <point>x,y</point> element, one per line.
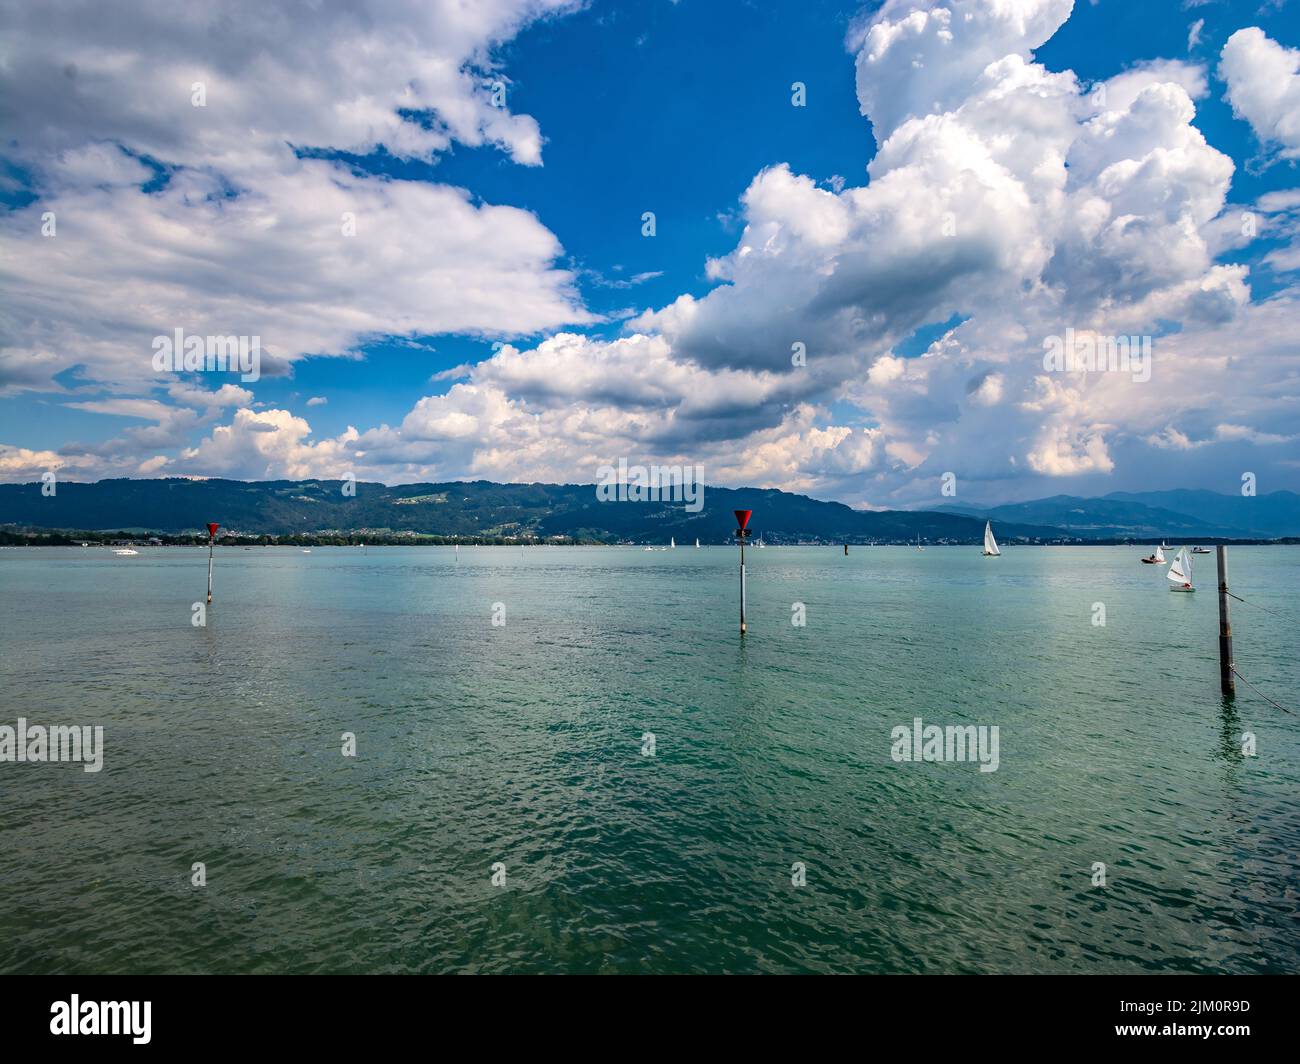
<point>760,542</point>
<point>697,542</point>
<point>1180,572</point>
<point>990,544</point>
<point>1158,558</point>
<point>918,543</point>
<point>1202,550</point>
<point>125,551</point>
<point>672,542</point>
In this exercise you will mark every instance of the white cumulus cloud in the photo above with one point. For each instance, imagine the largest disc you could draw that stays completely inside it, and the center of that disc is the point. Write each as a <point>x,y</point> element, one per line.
<point>1264,87</point>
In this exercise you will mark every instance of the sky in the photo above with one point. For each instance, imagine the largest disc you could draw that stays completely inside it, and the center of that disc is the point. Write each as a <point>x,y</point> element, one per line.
<point>815,246</point>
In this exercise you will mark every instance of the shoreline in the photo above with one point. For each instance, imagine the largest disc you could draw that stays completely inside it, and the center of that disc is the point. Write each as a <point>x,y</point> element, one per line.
<point>58,538</point>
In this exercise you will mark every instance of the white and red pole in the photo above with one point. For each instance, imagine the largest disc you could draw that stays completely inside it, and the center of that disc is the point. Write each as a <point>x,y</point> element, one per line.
<point>212,538</point>
<point>742,533</point>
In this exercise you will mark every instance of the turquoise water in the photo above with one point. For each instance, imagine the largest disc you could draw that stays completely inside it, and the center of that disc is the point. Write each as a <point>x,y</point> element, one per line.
<point>522,744</point>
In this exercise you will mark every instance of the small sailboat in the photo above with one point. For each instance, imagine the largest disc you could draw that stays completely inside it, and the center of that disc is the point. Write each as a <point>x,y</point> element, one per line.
<point>1158,558</point>
<point>672,542</point>
<point>1180,572</point>
<point>990,544</point>
<point>760,542</point>
<point>697,542</point>
<point>918,543</point>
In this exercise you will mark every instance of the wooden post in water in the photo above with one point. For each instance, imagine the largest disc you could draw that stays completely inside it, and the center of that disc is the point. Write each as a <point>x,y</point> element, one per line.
<point>846,550</point>
<point>1227,680</point>
<point>212,538</point>
<point>742,533</point>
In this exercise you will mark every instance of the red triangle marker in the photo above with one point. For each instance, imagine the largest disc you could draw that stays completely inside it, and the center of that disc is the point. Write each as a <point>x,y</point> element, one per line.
<point>212,530</point>
<point>742,517</point>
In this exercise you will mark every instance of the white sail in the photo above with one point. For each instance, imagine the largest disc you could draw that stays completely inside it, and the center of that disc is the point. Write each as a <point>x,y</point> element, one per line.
<point>672,542</point>
<point>697,542</point>
<point>1180,572</point>
<point>1160,555</point>
<point>990,544</point>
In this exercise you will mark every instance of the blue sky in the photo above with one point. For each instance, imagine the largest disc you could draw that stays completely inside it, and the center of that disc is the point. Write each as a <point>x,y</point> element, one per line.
<point>679,109</point>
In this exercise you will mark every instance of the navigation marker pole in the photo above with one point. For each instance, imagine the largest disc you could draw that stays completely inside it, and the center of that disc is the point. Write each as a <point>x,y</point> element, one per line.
<point>212,537</point>
<point>1227,681</point>
<point>742,533</point>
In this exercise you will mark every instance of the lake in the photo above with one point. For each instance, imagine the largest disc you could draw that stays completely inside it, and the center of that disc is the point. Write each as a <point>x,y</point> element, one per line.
<point>650,792</point>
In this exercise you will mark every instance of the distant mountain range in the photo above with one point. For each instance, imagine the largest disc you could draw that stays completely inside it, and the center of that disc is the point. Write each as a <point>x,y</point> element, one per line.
<point>1174,515</point>
<point>485,511</point>
<point>468,510</point>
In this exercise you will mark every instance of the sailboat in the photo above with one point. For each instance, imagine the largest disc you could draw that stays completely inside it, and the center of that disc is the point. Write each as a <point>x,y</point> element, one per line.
<point>1180,572</point>
<point>760,542</point>
<point>990,544</point>
<point>918,543</point>
<point>1158,558</point>
<point>672,542</point>
<point>697,542</point>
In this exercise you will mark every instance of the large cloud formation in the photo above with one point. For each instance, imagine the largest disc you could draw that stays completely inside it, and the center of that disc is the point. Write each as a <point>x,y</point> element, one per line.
<point>1004,196</point>
<point>307,73</point>
<point>174,153</point>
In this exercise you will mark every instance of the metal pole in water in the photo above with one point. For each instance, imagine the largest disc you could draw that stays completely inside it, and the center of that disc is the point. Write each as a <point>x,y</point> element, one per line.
<point>1227,679</point>
<point>742,587</point>
<point>742,519</point>
<point>212,537</point>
